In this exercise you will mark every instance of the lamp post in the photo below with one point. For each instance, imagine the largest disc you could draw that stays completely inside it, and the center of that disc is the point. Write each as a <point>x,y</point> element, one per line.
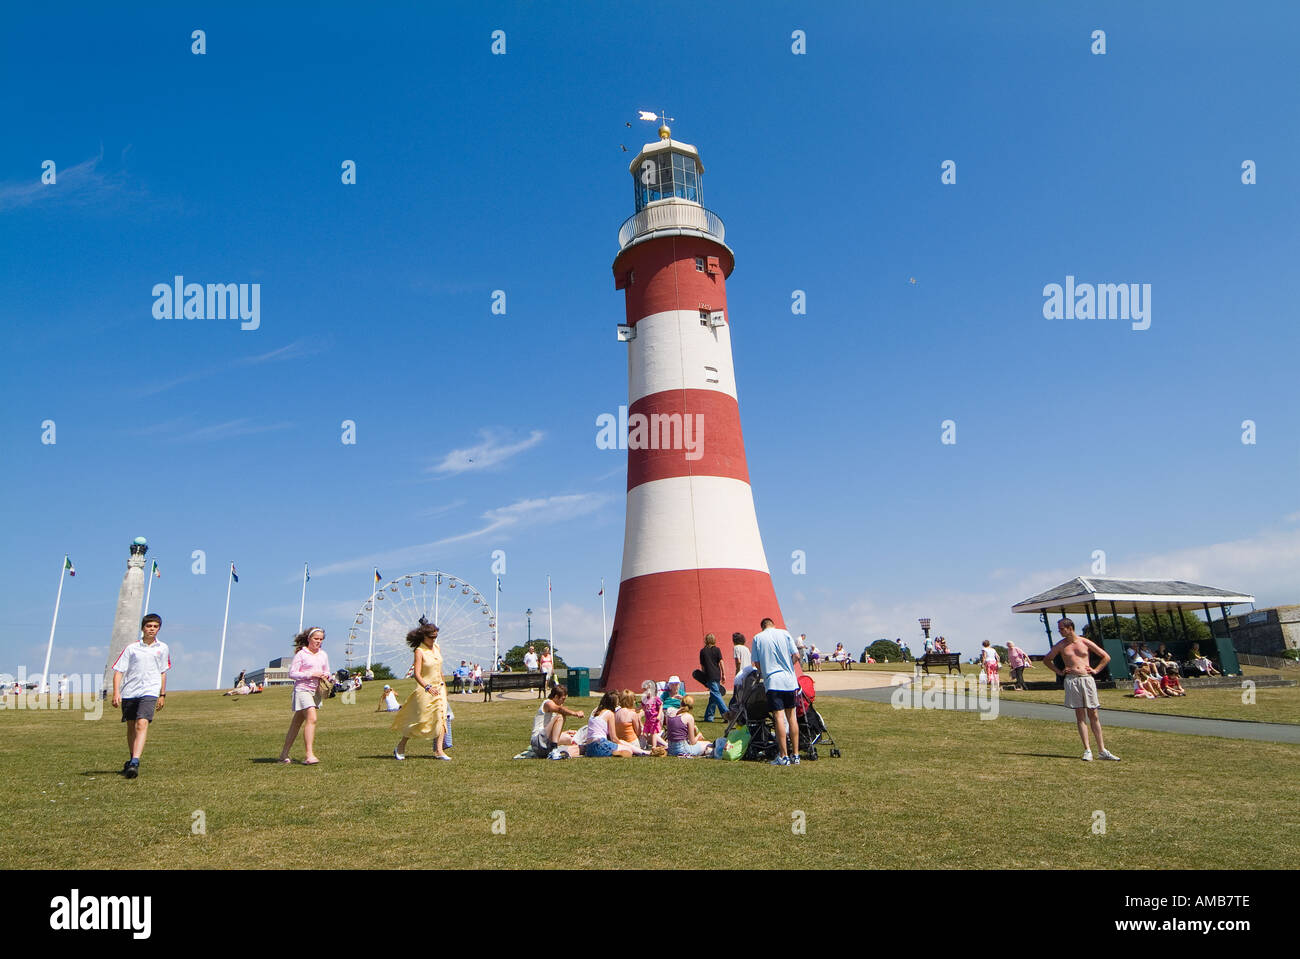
<point>529,614</point>
<point>925,626</point>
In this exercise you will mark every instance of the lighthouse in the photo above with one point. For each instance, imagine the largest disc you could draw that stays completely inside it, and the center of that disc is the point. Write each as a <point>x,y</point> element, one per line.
<point>693,560</point>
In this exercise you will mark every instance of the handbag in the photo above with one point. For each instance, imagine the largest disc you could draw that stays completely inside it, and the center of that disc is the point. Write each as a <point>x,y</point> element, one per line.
<point>324,686</point>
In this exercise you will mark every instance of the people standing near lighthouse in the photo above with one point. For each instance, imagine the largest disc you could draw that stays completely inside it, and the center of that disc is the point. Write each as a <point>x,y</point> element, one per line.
<point>310,665</point>
<point>424,714</point>
<point>140,688</point>
<point>777,659</point>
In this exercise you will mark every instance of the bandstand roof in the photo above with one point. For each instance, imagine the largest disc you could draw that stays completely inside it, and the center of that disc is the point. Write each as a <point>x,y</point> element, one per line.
<point>1129,596</point>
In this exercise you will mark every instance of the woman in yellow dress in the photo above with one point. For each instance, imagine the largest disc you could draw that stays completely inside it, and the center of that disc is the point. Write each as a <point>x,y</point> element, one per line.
<point>424,714</point>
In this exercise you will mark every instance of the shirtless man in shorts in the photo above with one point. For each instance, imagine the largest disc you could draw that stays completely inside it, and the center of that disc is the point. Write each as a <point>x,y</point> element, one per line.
<point>1080,688</point>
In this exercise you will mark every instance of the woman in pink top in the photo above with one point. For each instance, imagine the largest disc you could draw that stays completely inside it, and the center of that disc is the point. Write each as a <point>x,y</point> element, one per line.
<point>310,664</point>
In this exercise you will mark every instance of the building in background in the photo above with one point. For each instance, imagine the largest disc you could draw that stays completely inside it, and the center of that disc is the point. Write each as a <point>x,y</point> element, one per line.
<point>1263,632</point>
<point>276,673</point>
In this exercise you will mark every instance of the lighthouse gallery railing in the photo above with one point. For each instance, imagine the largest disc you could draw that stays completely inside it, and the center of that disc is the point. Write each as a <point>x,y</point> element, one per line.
<point>668,216</point>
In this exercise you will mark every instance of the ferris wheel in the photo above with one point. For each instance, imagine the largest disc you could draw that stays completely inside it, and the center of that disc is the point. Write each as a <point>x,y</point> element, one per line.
<point>465,619</point>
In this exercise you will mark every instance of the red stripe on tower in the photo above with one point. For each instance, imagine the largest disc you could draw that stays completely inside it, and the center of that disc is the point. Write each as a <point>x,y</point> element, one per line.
<point>693,559</point>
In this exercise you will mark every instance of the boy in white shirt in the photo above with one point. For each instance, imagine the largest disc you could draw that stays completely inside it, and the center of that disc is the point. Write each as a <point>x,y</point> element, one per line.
<point>140,687</point>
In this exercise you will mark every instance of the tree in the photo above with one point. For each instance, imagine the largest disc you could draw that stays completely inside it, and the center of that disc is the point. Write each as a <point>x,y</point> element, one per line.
<point>515,656</point>
<point>883,649</point>
<point>1154,629</point>
<point>381,671</point>
<point>1002,652</point>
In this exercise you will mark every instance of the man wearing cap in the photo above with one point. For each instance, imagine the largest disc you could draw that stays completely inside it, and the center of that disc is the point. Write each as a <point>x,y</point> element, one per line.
<point>388,701</point>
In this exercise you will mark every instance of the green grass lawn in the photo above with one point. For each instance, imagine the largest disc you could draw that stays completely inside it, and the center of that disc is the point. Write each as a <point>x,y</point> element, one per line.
<point>913,789</point>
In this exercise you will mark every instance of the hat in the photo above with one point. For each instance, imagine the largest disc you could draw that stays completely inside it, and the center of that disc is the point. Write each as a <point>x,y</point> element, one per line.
<point>674,679</point>
<point>386,686</point>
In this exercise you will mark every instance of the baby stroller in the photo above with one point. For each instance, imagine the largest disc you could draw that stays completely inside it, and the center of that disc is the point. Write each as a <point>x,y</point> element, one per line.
<point>342,683</point>
<point>812,728</point>
<point>750,710</point>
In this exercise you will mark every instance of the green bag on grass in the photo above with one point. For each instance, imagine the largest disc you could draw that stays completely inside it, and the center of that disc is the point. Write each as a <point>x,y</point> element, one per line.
<point>737,743</point>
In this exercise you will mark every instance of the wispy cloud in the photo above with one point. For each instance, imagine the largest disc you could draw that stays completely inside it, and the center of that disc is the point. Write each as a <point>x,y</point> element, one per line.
<point>500,520</point>
<point>491,452</point>
<point>184,430</point>
<point>292,351</point>
<point>81,184</point>
<point>439,510</point>
<point>239,427</point>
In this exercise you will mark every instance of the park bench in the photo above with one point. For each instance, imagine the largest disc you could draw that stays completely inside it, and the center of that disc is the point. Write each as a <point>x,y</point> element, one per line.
<point>499,682</point>
<point>951,660</point>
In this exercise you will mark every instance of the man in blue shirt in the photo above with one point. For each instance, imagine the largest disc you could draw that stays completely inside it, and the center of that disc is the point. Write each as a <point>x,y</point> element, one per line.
<point>776,657</point>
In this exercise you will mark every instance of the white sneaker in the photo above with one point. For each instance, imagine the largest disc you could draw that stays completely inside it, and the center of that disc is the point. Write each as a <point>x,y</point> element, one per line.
<point>397,755</point>
<point>1087,755</point>
<point>1107,754</point>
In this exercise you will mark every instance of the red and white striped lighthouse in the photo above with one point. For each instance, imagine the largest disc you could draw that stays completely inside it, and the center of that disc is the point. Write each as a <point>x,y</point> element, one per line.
<point>693,560</point>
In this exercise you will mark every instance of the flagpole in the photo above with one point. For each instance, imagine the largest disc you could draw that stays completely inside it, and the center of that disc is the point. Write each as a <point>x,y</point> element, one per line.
<point>302,607</point>
<point>550,626</point>
<point>148,590</point>
<point>370,649</point>
<point>496,629</point>
<point>221,659</point>
<point>45,673</point>
<point>604,626</point>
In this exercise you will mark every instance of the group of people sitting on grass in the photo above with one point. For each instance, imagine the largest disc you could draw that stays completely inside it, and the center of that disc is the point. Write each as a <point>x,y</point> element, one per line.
<point>1152,680</point>
<point>659,722</point>
<point>841,657</point>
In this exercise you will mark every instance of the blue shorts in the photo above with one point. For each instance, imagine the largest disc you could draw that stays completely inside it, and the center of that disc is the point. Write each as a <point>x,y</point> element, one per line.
<point>601,747</point>
<point>780,699</point>
<point>683,748</point>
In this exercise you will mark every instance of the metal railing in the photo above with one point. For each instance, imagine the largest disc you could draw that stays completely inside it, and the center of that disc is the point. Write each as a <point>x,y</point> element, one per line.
<point>669,216</point>
<point>1268,662</point>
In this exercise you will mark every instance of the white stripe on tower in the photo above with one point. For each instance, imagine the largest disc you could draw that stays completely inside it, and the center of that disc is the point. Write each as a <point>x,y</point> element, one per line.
<point>673,351</point>
<point>691,522</point>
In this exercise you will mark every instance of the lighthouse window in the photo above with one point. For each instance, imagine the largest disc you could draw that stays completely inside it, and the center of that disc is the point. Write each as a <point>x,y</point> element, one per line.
<point>668,174</point>
<point>699,264</point>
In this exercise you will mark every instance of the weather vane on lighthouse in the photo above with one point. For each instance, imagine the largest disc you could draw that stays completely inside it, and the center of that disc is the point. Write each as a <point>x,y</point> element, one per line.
<point>650,116</point>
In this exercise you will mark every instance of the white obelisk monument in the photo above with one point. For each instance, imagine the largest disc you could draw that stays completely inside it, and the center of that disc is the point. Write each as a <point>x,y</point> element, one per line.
<point>126,623</point>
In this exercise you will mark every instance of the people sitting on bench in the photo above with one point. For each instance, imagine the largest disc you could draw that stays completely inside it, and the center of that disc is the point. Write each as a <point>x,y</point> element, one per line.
<point>1202,662</point>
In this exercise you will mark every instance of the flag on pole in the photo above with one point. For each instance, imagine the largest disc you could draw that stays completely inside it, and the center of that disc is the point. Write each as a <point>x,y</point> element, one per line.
<point>233,574</point>
<point>602,591</point>
<point>156,574</point>
<point>306,572</point>
<point>378,578</point>
<point>67,564</point>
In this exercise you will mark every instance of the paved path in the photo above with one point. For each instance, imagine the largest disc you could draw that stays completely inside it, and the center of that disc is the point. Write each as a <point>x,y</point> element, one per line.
<point>879,692</point>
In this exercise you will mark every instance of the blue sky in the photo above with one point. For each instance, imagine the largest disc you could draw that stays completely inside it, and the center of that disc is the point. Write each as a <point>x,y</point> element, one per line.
<point>479,172</point>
